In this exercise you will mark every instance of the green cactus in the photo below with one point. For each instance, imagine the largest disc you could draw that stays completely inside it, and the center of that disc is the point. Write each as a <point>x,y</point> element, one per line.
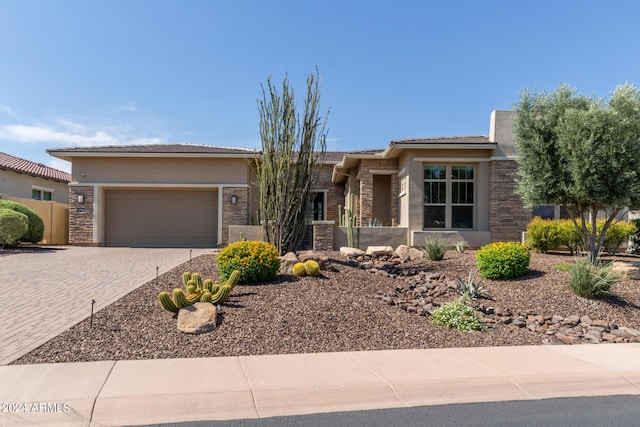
<point>221,296</point>
<point>180,298</point>
<point>207,285</point>
<point>233,279</point>
<point>312,267</point>
<point>167,303</point>
<point>197,279</point>
<point>191,289</point>
<point>299,269</point>
<point>194,297</point>
<point>215,288</point>
<point>186,276</point>
<point>206,297</point>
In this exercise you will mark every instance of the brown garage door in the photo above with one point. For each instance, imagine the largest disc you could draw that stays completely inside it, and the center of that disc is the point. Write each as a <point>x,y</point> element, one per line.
<point>161,218</point>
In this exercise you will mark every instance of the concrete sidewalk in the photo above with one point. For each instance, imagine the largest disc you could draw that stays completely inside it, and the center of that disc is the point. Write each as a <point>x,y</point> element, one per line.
<point>47,292</point>
<point>174,390</point>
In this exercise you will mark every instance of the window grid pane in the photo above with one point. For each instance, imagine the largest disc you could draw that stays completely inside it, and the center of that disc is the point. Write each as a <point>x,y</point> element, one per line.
<point>449,206</point>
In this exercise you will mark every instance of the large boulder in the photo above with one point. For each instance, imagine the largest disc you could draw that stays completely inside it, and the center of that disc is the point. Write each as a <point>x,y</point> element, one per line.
<point>409,253</point>
<point>350,252</point>
<point>199,318</point>
<point>379,250</point>
<point>627,269</point>
<point>287,261</point>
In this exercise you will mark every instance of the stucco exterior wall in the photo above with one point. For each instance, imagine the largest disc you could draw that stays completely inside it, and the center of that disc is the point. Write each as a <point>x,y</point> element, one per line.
<point>161,170</point>
<point>501,131</point>
<point>20,185</point>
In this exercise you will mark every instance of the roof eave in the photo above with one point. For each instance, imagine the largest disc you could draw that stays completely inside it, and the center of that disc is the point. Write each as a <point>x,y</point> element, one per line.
<point>35,175</point>
<point>69,155</point>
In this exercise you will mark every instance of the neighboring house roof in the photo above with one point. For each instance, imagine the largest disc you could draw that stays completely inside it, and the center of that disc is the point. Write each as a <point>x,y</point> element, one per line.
<point>18,165</point>
<point>471,139</point>
<point>152,150</point>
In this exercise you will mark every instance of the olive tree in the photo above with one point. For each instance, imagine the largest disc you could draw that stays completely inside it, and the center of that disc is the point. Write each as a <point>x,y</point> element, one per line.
<point>293,148</point>
<point>582,153</point>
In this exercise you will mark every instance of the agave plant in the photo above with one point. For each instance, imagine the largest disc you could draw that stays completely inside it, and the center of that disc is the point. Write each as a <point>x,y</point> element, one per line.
<point>470,288</point>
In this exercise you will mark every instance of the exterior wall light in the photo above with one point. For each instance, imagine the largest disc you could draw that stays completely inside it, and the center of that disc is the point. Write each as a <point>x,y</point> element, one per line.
<point>234,200</point>
<point>80,198</point>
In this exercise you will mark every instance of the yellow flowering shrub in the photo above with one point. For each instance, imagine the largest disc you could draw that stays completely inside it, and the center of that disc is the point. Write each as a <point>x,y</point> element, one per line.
<point>257,261</point>
<point>503,260</point>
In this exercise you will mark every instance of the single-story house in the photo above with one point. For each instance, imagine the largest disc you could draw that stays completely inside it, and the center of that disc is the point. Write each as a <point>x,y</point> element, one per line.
<point>28,180</point>
<point>189,195</point>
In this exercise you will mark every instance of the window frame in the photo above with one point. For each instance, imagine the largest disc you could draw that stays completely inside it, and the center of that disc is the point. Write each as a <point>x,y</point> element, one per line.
<point>42,191</point>
<point>449,205</point>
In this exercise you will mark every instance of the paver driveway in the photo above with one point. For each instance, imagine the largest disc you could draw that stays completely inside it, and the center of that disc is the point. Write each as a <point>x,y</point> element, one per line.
<point>45,293</point>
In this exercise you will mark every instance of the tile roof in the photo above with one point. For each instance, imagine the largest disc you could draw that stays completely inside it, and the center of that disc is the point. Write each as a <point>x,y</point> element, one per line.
<point>157,148</point>
<point>472,139</point>
<point>16,164</point>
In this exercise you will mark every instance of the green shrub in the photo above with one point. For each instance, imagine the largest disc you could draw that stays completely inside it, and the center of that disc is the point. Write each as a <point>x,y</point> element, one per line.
<point>617,233</point>
<point>503,260</point>
<point>257,261</point>
<point>13,225</point>
<point>569,236</point>
<point>435,248</point>
<point>591,281</point>
<point>543,235</point>
<point>459,315</point>
<point>469,288</point>
<point>36,227</point>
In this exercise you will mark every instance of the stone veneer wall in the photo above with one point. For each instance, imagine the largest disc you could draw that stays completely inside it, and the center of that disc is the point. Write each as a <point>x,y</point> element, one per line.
<point>365,213</point>
<point>335,192</point>
<point>81,215</point>
<point>508,217</point>
<point>323,235</point>
<point>237,214</point>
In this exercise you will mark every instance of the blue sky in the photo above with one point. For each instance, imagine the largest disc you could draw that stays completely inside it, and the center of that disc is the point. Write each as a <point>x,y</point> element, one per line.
<point>135,72</point>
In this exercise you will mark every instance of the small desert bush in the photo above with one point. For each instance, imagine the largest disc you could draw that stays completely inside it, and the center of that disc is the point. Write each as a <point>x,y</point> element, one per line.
<point>591,281</point>
<point>459,315</point>
<point>257,261</point>
<point>503,260</point>
<point>35,230</point>
<point>435,248</point>
<point>13,225</point>
<point>543,235</point>
<point>617,233</point>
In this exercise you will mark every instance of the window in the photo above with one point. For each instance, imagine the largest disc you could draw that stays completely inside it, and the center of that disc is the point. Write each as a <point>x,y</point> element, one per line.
<point>39,194</point>
<point>317,206</point>
<point>550,212</point>
<point>448,196</point>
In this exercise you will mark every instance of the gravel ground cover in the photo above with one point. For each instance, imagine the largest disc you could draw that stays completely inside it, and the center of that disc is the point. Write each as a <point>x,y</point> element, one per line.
<point>341,310</point>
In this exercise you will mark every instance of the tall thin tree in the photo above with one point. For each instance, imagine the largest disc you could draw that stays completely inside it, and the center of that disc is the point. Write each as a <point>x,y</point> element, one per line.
<point>293,149</point>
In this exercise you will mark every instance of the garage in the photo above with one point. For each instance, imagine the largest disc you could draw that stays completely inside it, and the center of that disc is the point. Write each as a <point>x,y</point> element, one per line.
<point>161,218</point>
